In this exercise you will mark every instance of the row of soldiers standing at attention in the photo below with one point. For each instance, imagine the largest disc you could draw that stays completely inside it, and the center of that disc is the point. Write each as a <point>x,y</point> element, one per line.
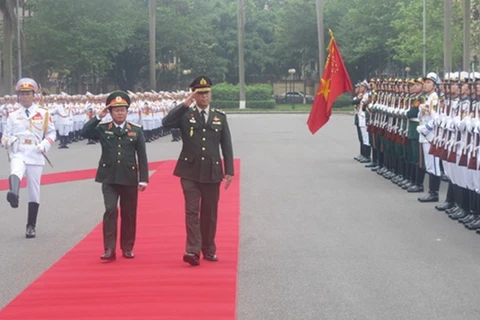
<point>70,112</point>
<point>413,127</point>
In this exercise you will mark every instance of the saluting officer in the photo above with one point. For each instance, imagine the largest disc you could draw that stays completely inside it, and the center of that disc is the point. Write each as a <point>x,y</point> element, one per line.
<point>204,130</point>
<point>119,172</point>
<point>28,135</point>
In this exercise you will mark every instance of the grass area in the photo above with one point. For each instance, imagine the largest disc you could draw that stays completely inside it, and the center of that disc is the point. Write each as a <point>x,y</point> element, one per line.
<point>286,108</point>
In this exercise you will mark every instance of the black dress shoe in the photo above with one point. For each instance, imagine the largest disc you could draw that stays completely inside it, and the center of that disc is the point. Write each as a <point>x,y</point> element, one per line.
<point>407,185</point>
<point>210,257</point>
<point>109,255</point>
<point>191,258</point>
<point>30,233</point>
<point>354,158</point>
<point>445,206</point>
<point>128,254</point>
<point>429,197</point>
<point>452,210</point>
<point>460,214</point>
<point>474,225</point>
<point>371,165</point>
<point>365,160</point>
<point>468,219</point>
<point>413,189</point>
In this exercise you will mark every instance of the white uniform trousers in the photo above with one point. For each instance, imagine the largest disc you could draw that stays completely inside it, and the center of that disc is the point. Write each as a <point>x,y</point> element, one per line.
<point>431,163</point>
<point>33,173</point>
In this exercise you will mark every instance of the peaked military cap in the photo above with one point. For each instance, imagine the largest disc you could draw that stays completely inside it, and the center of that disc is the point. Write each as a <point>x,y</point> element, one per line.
<point>118,99</point>
<point>26,84</point>
<point>201,84</point>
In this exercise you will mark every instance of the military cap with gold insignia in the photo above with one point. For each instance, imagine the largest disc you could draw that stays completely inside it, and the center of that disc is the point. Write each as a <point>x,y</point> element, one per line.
<point>419,80</point>
<point>201,84</point>
<point>118,99</point>
<point>26,84</point>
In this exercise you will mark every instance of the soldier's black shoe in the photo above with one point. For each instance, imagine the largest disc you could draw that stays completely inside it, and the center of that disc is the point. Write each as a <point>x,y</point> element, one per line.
<point>452,210</point>
<point>371,165</point>
<point>128,254</point>
<point>13,193</point>
<point>468,219</point>
<point>407,185</point>
<point>429,197</point>
<point>459,214</point>
<point>210,257</point>
<point>478,231</point>
<point>365,160</point>
<point>474,225</point>
<point>30,233</point>
<point>382,170</point>
<point>376,168</point>
<point>445,206</point>
<point>13,199</point>
<point>109,255</point>
<point>414,188</point>
<point>191,258</point>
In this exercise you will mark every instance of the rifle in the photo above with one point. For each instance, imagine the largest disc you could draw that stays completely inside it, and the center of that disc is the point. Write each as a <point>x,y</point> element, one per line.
<point>442,151</point>
<point>452,157</point>
<point>472,162</point>
<point>464,156</point>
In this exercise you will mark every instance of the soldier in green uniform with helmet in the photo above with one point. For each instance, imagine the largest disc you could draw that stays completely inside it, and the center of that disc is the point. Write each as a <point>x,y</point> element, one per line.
<point>417,174</point>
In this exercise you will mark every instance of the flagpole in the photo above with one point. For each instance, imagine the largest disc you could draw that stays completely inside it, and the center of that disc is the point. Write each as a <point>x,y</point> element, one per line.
<point>321,44</point>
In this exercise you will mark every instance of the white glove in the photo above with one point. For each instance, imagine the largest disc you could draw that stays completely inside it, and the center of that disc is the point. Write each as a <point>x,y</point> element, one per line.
<point>40,148</point>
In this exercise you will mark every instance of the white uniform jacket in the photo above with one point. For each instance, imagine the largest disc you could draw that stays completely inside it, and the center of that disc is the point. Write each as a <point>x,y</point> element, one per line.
<point>27,137</point>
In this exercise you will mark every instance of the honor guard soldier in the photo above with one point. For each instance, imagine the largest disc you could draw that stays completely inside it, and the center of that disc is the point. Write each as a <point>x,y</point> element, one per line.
<point>204,130</point>
<point>119,172</point>
<point>29,134</point>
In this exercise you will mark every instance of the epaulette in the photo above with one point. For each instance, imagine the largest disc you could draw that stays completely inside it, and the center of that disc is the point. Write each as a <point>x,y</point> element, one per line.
<point>135,124</point>
<point>218,110</point>
<point>105,122</point>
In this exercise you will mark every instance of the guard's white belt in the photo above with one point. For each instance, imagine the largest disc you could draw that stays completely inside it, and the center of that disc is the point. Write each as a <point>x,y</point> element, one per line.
<point>414,119</point>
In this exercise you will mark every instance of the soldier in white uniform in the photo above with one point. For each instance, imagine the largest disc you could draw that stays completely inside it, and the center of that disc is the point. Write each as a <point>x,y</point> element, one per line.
<point>427,116</point>
<point>29,134</point>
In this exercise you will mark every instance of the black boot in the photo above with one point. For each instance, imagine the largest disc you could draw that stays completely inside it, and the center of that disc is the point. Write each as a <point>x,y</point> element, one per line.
<point>32,219</point>
<point>449,203</point>
<point>14,192</point>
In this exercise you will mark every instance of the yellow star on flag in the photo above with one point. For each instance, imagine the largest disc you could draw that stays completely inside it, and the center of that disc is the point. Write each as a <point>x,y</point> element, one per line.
<point>324,88</point>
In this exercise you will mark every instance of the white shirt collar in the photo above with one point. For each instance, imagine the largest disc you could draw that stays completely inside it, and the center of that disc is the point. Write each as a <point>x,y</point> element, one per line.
<point>120,125</point>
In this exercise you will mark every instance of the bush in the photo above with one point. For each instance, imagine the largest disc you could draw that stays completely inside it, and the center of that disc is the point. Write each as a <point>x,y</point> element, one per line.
<point>266,104</point>
<point>225,104</point>
<point>344,100</point>
<point>225,92</point>
<point>259,92</point>
<point>226,96</point>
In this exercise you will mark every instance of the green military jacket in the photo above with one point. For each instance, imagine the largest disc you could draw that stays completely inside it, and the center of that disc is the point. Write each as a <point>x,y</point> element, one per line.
<point>200,159</point>
<point>121,147</point>
<point>412,116</point>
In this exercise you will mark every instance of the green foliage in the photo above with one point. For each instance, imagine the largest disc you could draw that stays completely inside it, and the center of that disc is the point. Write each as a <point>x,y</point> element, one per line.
<point>226,96</point>
<point>344,100</point>
<point>260,92</point>
<point>219,104</point>
<point>266,104</point>
<point>109,38</point>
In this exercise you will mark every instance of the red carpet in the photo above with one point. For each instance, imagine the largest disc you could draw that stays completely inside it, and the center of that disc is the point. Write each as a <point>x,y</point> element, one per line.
<point>68,176</point>
<point>157,284</point>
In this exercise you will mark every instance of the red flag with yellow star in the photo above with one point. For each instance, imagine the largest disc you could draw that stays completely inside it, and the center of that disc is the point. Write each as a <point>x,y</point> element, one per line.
<point>335,81</point>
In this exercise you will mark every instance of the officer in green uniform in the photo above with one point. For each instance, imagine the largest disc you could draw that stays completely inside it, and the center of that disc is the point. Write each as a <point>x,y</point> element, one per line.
<point>417,173</point>
<point>204,130</point>
<point>119,172</point>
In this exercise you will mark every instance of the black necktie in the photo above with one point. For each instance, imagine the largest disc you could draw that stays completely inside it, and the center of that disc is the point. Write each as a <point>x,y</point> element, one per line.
<point>27,112</point>
<point>118,130</point>
<point>203,113</point>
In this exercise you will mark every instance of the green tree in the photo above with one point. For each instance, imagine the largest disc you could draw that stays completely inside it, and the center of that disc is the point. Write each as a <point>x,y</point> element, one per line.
<point>76,37</point>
